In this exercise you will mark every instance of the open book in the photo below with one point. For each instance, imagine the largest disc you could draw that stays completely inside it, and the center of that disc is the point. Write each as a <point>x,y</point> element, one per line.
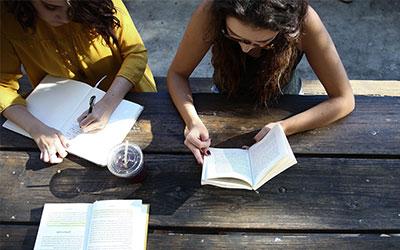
<point>110,224</point>
<point>58,103</point>
<point>249,168</point>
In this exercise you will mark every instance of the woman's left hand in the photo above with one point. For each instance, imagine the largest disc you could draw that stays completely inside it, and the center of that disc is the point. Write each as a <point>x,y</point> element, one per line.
<point>264,131</point>
<point>99,117</point>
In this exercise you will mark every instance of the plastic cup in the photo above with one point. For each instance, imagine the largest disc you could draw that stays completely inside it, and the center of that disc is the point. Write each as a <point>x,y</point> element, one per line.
<point>126,161</point>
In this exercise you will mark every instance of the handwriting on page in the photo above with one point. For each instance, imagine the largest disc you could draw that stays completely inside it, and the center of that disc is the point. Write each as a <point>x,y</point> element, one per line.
<point>72,131</point>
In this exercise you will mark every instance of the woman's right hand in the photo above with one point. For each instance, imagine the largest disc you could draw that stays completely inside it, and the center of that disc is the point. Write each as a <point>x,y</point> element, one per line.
<point>197,140</point>
<point>51,142</point>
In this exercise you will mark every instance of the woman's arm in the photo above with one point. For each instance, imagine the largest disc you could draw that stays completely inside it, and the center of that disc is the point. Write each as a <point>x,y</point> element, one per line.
<point>191,50</point>
<point>130,74</point>
<point>50,141</point>
<point>104,108</point>
<point>324,60</point>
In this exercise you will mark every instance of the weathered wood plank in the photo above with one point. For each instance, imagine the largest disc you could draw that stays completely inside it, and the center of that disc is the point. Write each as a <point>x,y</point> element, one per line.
<point>316,194</point>
<point>310,87</point>
<point>373,128</point>
<point>360,87</point>
<point>23,237</point>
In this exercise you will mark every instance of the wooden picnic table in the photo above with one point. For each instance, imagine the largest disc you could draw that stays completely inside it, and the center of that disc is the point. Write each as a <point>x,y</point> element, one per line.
<point>343,193</point>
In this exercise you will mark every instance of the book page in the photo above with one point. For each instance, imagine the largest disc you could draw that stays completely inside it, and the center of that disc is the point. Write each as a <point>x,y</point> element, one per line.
<point>267,152</point>
<point>63,225</point>
<point>95,146</point>
<point>53,102</point>
<point>118,225</point>
<point>227,163</point>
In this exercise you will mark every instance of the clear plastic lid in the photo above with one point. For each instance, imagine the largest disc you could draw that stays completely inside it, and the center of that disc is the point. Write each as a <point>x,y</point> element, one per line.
<point>125,160</point>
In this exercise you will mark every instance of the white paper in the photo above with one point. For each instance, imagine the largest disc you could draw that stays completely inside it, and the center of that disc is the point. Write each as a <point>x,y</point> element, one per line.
<point>52,101</point>
<point>63,226</point>
<point>271,156</point>
<point>117,225</point>
<point>266,153</point>
<point>227,163</point>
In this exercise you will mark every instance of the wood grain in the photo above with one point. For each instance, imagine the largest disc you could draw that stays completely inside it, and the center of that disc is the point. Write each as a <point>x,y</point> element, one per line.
<point>315,194</point>
<point>372,129</point>
<point>17,237</point>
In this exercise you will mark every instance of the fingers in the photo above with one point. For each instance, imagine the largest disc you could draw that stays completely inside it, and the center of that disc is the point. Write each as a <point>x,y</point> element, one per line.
<point>82,117</point>
<point>84,123</point>
<point>264,131</point>
<point>91,124</point>
<point>55,152</point>
<point>197,154</point>
<point>59,149</point>
<point>198,147</point>
<point>63,140</point>
<point>50,156</point>
<point>200,144</point>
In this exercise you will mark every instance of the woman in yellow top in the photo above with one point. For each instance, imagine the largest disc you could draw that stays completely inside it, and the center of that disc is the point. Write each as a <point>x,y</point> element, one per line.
<point>82,40</point>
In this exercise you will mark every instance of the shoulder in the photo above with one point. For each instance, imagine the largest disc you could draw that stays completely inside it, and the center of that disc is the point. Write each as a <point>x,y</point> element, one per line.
<point>205,5</point>
<point>204,9</point>
<point>312,21</point>
<point>119,5</point>
<point>202,16</point>
<point>312,28</point>
<point>122,11</point>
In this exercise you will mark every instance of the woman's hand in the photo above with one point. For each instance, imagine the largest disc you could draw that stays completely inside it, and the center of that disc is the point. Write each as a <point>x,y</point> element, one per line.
<point>51,142</point>
<point>264,131</point>
<point>104,108</point>
<point>198,141</point>
<point>98,118</point>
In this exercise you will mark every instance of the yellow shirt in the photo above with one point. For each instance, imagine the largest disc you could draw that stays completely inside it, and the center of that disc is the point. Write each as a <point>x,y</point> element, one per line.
<point>68,51</point>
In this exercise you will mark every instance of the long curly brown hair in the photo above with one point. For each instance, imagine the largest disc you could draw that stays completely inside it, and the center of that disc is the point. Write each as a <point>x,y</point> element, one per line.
<point>269,73</point>
<point>96,15</point>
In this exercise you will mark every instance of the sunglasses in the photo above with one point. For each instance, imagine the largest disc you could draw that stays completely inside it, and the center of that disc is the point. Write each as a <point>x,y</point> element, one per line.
<point>266,45</point>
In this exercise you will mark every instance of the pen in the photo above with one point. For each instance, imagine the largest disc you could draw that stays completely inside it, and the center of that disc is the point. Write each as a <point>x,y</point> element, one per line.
<point>93,98</point>
<point>91,103</point>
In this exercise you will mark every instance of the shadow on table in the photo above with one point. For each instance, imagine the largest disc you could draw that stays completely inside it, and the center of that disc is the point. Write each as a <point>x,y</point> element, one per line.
<point>167,185</point>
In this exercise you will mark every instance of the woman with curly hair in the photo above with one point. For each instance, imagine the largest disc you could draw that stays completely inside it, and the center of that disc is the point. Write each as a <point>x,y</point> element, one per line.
<point>256,46</point>
<point>82,40</point>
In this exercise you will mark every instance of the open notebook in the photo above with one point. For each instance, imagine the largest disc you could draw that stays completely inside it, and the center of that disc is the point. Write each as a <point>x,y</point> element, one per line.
<point>249,168</point>
<point>58,102</point>
<point>108,224</point>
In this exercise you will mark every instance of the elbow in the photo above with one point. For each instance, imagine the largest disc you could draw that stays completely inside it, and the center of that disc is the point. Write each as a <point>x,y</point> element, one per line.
<point>350,103</point>
<point>174,78</point>
<point>170,79</point>
<point>347,104</point>
<point>170,76</point>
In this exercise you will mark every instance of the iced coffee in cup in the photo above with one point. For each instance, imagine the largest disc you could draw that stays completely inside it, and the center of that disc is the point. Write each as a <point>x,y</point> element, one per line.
<point>126,160</point>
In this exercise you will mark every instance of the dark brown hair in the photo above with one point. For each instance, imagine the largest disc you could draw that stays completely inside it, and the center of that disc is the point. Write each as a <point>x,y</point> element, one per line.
<point>97,15</point>
<point>272,70</point>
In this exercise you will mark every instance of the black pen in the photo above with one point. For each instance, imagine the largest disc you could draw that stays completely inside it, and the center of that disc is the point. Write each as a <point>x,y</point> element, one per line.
<point>93,97</point>
<point>91,103</point>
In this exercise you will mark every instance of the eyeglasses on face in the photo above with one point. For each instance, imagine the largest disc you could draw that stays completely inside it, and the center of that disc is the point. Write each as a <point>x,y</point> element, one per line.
<point>266,45</point>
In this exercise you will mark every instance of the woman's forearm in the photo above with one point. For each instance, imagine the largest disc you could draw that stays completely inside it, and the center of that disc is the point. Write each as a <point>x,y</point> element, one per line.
<point>117,91</point>
<point>321,115</point>
<point>20,115</point>
<point>178,87</point>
